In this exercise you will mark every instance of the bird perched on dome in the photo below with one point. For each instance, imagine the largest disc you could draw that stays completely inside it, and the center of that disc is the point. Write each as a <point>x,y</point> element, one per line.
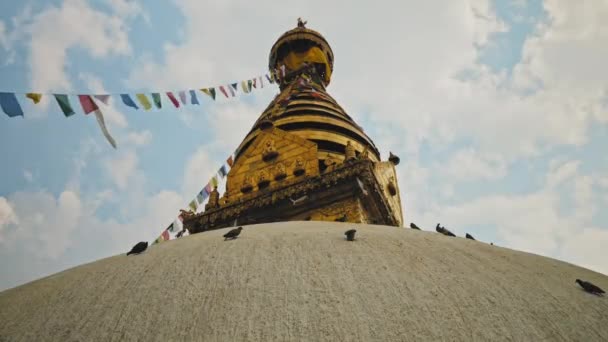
<point>301,23</point>
<point>469,236</point>
<point>233,234</point>
<point>414,226</point>
<point>138,248</point>
<point>350,234</point>
<point>591,288</point>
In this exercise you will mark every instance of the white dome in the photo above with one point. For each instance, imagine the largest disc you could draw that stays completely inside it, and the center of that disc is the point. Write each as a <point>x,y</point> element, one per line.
<point>303,281</point>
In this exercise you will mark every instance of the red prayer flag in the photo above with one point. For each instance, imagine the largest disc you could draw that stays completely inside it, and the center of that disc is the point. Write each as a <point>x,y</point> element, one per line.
<point>223,90</point>
<point>173,99</point>
<point>254,83</point>
<point>165,235</point>
<point>87,104</point>
<point>230,161</point>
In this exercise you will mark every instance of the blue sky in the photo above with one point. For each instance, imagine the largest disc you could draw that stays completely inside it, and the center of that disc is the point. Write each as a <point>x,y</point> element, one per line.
<point>498,110</point>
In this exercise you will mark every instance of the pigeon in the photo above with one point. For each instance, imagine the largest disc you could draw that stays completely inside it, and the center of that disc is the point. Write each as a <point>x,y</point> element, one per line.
<point>233,233</point>
<point>140,247</point>
<point>443,231</point>
<point>414,226</point>
<point>469,236</point>
<point>350,234</point>
<point>588,287</point>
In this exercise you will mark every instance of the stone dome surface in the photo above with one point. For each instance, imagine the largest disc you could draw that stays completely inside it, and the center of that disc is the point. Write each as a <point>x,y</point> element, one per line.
<point>303,281</point>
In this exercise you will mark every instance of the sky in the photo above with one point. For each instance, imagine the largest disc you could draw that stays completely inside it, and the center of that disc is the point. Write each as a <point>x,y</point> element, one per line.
<point>497,109</point>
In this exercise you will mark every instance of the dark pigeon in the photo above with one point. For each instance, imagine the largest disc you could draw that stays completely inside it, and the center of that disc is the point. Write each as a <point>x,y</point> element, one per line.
<point>140,247</point>
<point>588,287</point>
<point>233,234</point>
<point>414,226</point>
<point>469,236</point>
<point>443,231</point>
<point>350,234</point>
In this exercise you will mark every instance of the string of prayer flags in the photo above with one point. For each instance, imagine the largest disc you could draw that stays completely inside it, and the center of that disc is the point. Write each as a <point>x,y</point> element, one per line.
<point>103,98</point>
<point>193,98</point>
<point>102,125</point>
<point>245,87</point>
<point>35,97</point>
<point>64,103</point>
<point>223,91</point>
<point>126,99</point>
<point>173,99</point>
<point>10,105</point>
<point>182,97</point>
<point>87,104</point>
<point>156,99</point>
<point>223,171</point>
<point>143,100</point>
<point>210,92</point>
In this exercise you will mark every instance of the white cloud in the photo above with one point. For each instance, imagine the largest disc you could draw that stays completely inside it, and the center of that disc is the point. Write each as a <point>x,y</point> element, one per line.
<point>122,169</point>
<point>75,23</point>
<point>7,216</point>
<point>139,138</point>
<point>561,173</point>
<point>470,165</point>
<point>3,38</point>
<point>29,177</point>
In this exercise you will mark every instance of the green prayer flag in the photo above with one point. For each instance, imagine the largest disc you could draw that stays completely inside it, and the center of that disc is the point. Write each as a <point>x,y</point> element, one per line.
<point>193,205</point>
<point>156,98</point>
<point>64,104</point>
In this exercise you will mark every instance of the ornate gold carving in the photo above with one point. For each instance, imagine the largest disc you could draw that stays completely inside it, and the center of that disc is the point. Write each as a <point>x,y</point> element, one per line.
<point>349,151</point>
<point>270,151</point>
<point>263,180</point>
<point>299,167</point>
<point>214,199</point>
<point>247,186</point>
<point>279,171</point>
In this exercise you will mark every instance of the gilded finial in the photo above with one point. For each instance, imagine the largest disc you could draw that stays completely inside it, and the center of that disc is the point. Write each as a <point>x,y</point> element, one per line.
<point>302,23</point>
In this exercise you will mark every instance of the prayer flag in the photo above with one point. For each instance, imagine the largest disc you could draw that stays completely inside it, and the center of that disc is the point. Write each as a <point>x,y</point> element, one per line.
<point>126,99</point>
<point>34,97</point>
<point>87,104</point>
<point>193,205</point>
<point>209,91</point>
<point>214,181</point>
<point>261,82</point>
<point>222,171</point>
<point>245,87</point>
<point>158,240</point>
<point>103,98</point>
<point>223,91</point>
<point>173,99</point>
<point>182,97</point>
<point>193,99</point>
<point>143,99</point>
<point>208,188</point>
<point>199,198</point>
<point>156,99</point>
<point>230,161</point>
<point>165,235</point>
<point>254,83</point>
<point>270,80</point>
<point>104,129</point>
<point>283,70</point>
<point>249,84</point>
<point>64,104</point>
<point>10,105</point>
<point>231,91</point>
<point>171,227</point>
<point>235,86</point>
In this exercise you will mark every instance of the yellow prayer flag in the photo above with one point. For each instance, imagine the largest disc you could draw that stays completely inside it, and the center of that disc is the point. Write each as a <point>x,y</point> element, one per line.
<point>34,97</point>
<point>144,101</point>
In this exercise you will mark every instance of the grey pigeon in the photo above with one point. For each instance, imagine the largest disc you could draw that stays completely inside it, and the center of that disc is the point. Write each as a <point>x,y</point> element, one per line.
<point>414,226</point>
<point>350,234</point>
<point>588,287</point>
<point>233,234</point>
<point>469,236</point>
<point>138,248</point>
<point>443,231</point>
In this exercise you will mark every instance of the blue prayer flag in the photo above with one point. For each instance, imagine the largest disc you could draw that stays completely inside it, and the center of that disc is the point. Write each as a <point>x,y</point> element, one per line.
<point>126,99</point>
<point>193,99</point>
<point>10,105</point>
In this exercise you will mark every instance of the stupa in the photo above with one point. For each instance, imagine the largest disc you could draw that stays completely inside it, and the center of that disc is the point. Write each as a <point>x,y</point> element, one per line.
<point>305,158</point>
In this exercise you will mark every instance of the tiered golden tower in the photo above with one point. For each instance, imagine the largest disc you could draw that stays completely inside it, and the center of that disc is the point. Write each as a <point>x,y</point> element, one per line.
<point>304,158</point>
